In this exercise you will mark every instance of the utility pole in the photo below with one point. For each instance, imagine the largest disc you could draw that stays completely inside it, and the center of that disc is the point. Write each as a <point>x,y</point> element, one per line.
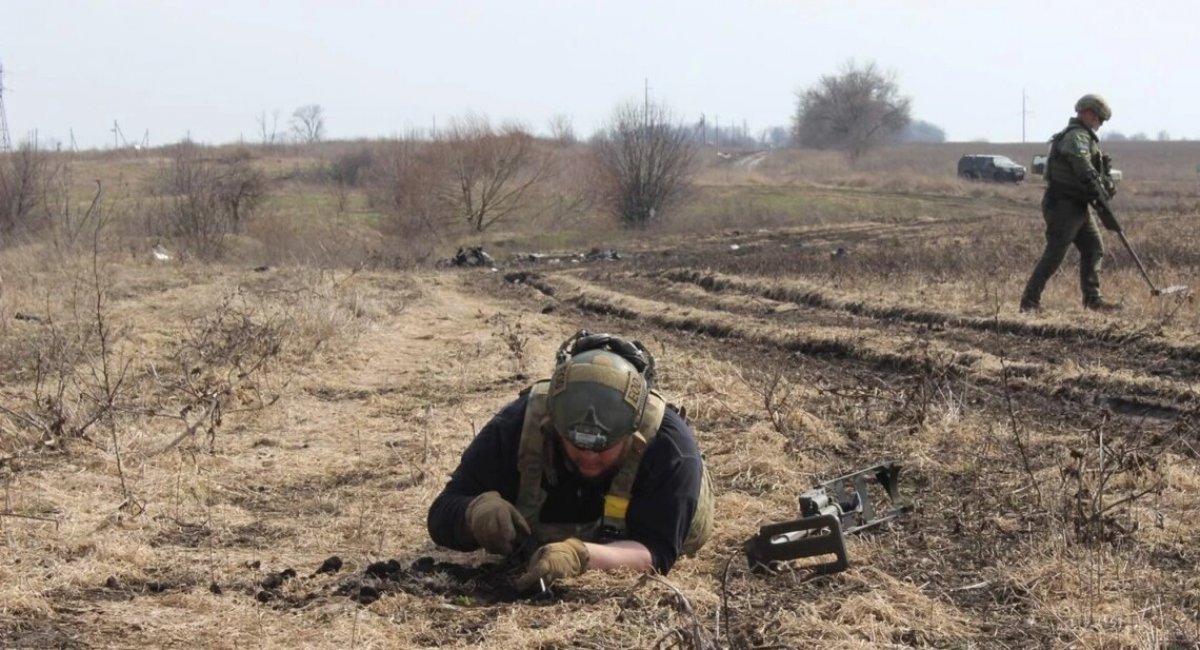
<point>1024,112</point>
<point>5,142</point>
<point>646,103</point>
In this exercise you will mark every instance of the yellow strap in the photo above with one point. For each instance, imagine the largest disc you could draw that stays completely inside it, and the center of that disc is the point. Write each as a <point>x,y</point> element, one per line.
<point>615,506</point>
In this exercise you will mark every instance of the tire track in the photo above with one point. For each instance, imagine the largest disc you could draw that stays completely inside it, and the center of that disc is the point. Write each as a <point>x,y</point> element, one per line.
<point>875,342</point>
<point>1134,349</point>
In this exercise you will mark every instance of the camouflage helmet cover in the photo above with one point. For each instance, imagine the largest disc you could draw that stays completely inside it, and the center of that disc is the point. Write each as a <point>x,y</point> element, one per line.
<point>596,399</point>
<point>1096,104</point>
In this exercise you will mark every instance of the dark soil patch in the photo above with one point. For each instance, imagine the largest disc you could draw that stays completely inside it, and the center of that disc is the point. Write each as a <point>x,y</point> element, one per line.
<point>486,584</point>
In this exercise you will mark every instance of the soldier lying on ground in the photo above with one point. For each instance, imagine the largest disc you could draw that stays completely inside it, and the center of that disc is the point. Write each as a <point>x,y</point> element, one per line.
<point>591,465</point>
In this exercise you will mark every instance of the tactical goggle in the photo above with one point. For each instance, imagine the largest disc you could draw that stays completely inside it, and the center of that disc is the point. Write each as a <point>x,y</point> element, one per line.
<point>590,437</point>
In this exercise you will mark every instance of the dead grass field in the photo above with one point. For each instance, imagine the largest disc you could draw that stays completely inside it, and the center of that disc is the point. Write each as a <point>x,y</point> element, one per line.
<point>241,454</point>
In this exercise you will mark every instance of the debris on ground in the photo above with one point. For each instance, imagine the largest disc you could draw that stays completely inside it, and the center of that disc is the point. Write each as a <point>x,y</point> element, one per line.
<point>596,254</point>
<point>471,256</point>
<point>593,255</point>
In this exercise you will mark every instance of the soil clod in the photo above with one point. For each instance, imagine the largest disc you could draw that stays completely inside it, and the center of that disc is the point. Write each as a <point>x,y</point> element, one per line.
<point>332,564</point>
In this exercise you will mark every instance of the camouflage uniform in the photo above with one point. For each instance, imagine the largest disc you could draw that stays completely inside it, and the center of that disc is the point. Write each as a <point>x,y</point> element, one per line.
<point>1075,176</point>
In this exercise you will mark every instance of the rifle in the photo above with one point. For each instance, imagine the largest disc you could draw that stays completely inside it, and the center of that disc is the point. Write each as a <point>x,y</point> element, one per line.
<point>1105,212</point>
<point>828,512</point>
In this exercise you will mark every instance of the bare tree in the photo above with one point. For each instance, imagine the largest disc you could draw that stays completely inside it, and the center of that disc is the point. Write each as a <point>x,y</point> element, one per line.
<point>562,130</point>
<point>308,123</point>
<point>491,169</point>
<point>268,132</point>
<point>855,110</point>
<point>644,163</point>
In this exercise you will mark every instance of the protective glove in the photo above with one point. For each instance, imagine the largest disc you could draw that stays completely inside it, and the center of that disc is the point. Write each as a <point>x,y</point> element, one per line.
<point>565,559</point>
<point>1106,164</point>
<point>495,523</point>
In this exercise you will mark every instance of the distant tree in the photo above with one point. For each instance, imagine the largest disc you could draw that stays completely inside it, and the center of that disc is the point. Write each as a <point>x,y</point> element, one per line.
<point>1164,136</point>
<point>853,111</point>
<point>1139,137</point>
<point>1115,136</point>
<point>268,130</point>
<point>491,169</point>
<point>776,137</point>
<point>644,162</point>
<point>921,131</point>
<point>562,130</point>
<point>308,123</point>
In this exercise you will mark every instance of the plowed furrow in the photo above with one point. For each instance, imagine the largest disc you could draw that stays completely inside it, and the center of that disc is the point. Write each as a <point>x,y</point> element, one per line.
<point>875,342</point>
<point>1133,349</point>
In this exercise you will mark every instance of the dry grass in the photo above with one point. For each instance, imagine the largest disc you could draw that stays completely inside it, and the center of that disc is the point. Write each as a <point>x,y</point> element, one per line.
<point>272,419</point>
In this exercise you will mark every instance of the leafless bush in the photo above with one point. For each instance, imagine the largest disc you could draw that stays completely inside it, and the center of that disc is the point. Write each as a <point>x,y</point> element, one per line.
<point>644,164</point>
<point>76,381</point>
<point>345,173</point>
<point>208,198</point>
<point>491,170</point>
<point>1103,478</point>
<point>221,366</point>
<point>28,177</point>
<point>79,371</point>
<point>776,392</point>
<point>402,182</point>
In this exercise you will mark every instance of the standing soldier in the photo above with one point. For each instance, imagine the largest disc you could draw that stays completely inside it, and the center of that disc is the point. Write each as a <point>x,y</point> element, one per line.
<point>1077,174</point>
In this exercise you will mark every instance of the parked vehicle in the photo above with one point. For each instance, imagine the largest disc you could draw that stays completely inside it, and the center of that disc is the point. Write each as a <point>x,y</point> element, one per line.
<point>1037,167</point>
<point>986,167</point>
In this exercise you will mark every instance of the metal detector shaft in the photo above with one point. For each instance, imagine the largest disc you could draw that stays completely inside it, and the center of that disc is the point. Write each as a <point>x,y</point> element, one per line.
<point>1137,260</point>
<point>1104,210</point>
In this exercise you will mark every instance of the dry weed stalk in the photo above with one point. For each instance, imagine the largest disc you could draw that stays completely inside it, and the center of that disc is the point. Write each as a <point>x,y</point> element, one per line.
<point>690,635</point>
<point>1018,441</point>
<point>931,393</point>
<point>1096,514</point>
<point>777,391</point>
<point>515,339</point>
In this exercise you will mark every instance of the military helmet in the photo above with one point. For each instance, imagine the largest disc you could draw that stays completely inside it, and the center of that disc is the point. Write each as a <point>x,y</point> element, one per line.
<point>597,398</point>
<point>1096,104</point>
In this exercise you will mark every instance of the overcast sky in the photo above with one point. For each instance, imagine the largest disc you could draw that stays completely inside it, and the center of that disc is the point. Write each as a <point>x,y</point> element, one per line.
<point>209,67</point>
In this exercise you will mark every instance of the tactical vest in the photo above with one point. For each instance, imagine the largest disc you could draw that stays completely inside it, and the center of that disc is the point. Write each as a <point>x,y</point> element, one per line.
<point>535,461</point>
<point>1060,176</point>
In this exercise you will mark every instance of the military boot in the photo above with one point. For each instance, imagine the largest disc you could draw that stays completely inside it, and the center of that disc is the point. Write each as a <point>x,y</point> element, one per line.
<point>1102,305</point>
